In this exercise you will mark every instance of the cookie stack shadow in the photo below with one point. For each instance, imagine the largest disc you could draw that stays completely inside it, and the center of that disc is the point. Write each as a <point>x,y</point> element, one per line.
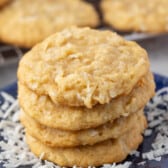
<point>85,136</point>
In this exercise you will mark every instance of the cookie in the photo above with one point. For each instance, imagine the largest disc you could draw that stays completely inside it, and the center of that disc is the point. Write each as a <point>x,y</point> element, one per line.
<point>113,150</point>
<point>43,110</point>
<point>27,22</point>
<point>60,138</point>
<point>2,2</point>
<point>136,15</point>
<point>83,67</point>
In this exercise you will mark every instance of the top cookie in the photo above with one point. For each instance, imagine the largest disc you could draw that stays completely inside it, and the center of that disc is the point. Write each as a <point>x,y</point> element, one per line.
<point>136,15</point>
<point>27,22</point>
<point>83,67</point>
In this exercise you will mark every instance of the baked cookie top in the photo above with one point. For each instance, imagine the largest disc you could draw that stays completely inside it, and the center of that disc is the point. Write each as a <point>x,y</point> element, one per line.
<point>43,110</point>
<point>83,67</point>
<point>136,15</point>
<point>2,2</point>
<point>27,22</point>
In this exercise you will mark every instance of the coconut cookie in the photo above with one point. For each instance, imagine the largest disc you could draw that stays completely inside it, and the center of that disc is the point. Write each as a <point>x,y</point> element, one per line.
<point>83,67</point>
<point>136,15</point>
<point>2,2</point>
<point>105,152</point>
<point>27,22</point>
<point>60,138</point>
<point>43,110</point>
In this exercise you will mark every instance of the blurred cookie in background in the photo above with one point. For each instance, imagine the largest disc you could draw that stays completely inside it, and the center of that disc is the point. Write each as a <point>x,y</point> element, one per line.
<point>136,15</point>
<point>27,22</point>
<point>3,2</point>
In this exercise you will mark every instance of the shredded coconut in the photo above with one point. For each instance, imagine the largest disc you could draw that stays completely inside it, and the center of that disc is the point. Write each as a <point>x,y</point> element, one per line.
<point>141,163</point>
<point>114,165</point>
<point>148,132</point>
<point>135,153</point>
<point>15,152</point>
<point>157,115</point>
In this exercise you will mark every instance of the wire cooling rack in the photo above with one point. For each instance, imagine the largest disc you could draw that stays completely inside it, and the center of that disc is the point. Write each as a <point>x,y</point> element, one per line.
<point>10,54</point>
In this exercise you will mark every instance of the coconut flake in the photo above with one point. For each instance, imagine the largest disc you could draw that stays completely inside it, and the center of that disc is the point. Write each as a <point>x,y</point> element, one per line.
<point>114,165</point>
<point>141,163</point>
<point>148,132</point>
<point>135,153</point>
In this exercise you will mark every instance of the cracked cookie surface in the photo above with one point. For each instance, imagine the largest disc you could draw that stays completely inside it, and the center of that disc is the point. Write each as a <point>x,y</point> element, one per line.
<point>83,67</point>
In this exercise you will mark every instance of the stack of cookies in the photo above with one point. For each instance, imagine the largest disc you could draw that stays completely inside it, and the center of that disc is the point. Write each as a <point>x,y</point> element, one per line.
<point>82,94</point>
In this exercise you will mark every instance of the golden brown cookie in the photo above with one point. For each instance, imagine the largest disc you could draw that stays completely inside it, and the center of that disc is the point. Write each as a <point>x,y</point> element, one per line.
<point>105,152</point>
<point>43,110</point>
<point>83,67</point>
<point>60,138</point>
<point>27,22</point>
<point>136,15</point>
<point>2,2</point>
